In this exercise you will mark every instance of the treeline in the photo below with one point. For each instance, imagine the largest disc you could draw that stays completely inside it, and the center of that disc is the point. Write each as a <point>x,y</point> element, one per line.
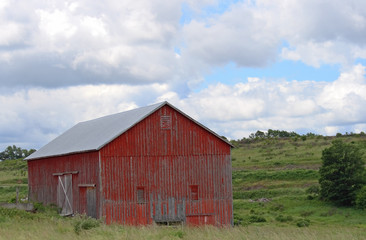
<point>271,134</point>
<point>14,152</point>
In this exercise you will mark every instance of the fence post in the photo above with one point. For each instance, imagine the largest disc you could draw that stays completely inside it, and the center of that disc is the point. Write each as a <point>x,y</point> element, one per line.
<point>17,198</point>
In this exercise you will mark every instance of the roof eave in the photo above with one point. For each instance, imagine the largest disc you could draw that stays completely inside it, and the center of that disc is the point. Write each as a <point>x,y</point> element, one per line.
<point>59,155</point>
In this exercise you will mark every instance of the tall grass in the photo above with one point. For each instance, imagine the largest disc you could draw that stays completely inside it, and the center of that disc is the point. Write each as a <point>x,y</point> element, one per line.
<point>270,179</point>
<point>57,228</point>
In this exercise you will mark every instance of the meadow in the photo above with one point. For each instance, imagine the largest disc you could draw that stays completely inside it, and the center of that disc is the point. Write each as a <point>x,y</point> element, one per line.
<point>275,183</point>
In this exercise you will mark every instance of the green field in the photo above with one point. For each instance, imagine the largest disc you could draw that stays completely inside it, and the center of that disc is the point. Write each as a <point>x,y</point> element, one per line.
<point>271,178</point>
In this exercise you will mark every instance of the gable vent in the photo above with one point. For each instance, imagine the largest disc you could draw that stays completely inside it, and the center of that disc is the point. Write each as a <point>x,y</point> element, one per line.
<point>165,122</point>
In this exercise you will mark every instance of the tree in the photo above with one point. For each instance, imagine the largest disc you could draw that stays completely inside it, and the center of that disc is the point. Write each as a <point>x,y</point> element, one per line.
<point>342,173</point>
<point>14,152</point>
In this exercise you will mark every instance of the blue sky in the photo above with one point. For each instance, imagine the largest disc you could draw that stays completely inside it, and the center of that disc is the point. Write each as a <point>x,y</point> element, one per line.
<point>290,70</point>
<point>235,66</point>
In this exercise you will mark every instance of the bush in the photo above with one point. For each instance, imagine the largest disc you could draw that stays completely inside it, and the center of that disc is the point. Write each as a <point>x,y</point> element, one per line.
<point>238,220</point>
<point>314,189</point>
<point>39,207</point>
<point>85,223</point>
<point>342,173</point>
<point>281,218</point>
<point>303,222</point>
<point>256,219</point>
<point>361,198</point>
<point>313,192</point>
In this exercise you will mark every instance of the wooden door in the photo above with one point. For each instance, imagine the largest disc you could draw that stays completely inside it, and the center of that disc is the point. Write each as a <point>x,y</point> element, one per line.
<point>91,202</point>
<point>88,200</point>
<point>64,194</point>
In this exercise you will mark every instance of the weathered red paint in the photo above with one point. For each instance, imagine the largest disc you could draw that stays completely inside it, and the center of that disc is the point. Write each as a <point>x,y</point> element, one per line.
<point>43,183</point>
<point>181,171</point>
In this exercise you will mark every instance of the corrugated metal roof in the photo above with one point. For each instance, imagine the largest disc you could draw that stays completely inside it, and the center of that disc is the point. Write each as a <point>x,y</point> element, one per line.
<point>94,134</point>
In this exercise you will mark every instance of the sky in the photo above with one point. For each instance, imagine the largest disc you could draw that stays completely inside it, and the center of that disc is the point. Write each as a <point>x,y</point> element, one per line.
<point>235,66</point>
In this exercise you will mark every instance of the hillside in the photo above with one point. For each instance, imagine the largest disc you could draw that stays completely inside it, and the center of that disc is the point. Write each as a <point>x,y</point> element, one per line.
<point>274,182</point>
<point>271,182</point>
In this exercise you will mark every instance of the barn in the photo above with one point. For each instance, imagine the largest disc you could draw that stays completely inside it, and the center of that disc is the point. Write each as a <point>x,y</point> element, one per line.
<point>153,164</point>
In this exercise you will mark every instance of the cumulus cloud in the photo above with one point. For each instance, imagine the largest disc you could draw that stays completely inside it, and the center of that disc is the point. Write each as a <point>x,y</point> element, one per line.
<point>250,33</point>
<point>38,115</point>
<point>64,62</point>
<point>303,106</point>
<point>242,35</point>
<point>35,116</point>
<point>116,42</point>
<point>57,44</point>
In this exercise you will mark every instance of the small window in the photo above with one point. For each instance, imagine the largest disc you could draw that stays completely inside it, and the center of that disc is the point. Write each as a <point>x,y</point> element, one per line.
<point>194,192</point>
<point>165,122</point>
<point>140,195</point>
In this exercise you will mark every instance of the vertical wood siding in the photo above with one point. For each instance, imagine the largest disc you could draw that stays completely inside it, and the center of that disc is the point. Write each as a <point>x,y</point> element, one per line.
<point>167,161</point>
<point>43,183</point>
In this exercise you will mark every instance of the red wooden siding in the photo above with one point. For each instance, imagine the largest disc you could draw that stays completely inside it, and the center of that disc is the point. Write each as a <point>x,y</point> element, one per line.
<point>167,158</point>
<point>43,183</point>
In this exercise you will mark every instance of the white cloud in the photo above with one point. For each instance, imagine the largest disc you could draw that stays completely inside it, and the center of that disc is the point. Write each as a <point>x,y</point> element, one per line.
<point>84,59</point>
<point>345,98</point>
<point>37,115</point>
<point>135,41</point>
<point>321,107</point>
<point>118,42</point>
<point>242,35</point>
<point>250,34</point>
<point>56,23</point>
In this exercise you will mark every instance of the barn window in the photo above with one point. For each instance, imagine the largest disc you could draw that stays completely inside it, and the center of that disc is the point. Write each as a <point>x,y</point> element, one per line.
<point>140,195</point>
<point>165,122</point>
<point>194,192</point>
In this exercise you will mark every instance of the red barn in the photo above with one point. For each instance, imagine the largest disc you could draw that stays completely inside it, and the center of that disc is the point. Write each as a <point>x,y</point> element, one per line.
<point>151,164</point>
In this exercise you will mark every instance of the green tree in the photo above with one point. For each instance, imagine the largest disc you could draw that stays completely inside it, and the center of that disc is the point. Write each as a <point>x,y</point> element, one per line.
<point>14,152</point>
<point>342,173</point>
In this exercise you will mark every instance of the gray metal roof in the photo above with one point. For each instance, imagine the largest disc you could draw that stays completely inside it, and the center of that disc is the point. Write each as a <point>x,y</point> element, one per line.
<point>94,134</point>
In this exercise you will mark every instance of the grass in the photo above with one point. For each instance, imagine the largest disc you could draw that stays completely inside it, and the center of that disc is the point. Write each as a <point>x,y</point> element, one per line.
<point>280,171</point>
<point>13,175</point>
<point>15,224</point>
<point>270,182</point>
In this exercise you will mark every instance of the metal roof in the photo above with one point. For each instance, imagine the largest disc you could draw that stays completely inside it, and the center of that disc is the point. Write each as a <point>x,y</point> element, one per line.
<point>94,134</point>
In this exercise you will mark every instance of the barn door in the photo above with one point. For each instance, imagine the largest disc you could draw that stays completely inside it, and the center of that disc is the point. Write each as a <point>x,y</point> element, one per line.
<point>88,200</point>
<point>64,194</point>
<point>91,206</point>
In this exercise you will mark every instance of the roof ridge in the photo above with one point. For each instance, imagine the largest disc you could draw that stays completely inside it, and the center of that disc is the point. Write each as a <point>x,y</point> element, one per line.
<point>117,113</point>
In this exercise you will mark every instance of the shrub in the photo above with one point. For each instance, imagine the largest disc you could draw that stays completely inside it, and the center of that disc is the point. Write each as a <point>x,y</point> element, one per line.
<point>281,218</point>
<point>85,223</point>
<point>39,207</point>
<point>303,222</point>
<point>361,198</point>
<point>313,192</point>
<point>256,219</point>
<point>314,189</point>
<point>238,220</point>
<point>342,173</point>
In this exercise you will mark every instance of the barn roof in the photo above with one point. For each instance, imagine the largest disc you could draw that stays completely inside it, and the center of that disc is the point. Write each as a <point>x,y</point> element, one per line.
<point>94,134</point>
